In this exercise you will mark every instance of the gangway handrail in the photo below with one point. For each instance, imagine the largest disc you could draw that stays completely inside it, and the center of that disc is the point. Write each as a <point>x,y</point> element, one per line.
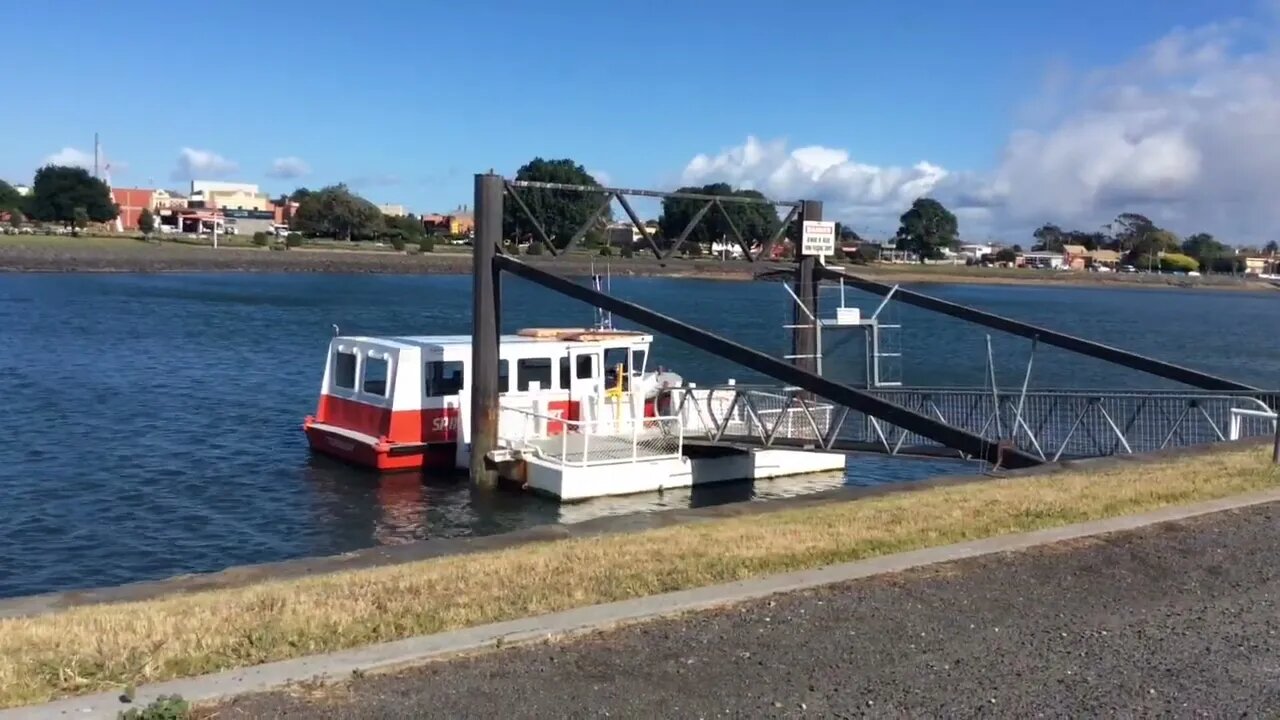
<point>634,435</point>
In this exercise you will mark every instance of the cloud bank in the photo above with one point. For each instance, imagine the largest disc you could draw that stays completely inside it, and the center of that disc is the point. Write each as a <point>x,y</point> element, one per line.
<point>288,167</point>
<point>197,164</point>
<point>1186,131</point>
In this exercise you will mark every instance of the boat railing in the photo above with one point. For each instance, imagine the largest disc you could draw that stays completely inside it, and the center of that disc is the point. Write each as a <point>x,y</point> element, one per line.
<point>762,414</point>
<point>582,443</point>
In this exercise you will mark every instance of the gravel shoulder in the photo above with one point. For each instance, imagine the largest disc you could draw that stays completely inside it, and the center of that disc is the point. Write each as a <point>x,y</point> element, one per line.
<point>1174,620</point>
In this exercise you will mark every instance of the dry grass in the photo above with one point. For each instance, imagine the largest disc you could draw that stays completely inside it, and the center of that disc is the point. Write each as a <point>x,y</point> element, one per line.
<point>103,647</point>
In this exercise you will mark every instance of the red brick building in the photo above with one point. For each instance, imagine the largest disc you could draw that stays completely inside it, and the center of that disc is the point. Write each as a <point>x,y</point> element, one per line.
<point>131,201</point>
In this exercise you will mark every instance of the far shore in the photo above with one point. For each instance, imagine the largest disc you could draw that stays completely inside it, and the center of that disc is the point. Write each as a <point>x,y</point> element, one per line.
<point>20,254</point>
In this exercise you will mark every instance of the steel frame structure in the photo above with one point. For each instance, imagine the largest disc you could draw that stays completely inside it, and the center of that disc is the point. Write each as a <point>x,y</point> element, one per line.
<point>491,260</point>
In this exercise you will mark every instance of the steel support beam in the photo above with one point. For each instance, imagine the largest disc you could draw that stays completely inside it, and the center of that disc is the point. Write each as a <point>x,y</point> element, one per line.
<point>485,328</point>
<point>1128,359</point>
<point>652,193</point>
<point>804,332</point>
<point>838,393</point>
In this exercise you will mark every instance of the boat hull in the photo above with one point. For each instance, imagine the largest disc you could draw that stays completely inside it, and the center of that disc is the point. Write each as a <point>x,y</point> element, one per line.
<point>383,457</point>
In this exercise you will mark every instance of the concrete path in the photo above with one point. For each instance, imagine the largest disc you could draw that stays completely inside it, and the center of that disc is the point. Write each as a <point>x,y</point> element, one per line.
<point>1171,620</point>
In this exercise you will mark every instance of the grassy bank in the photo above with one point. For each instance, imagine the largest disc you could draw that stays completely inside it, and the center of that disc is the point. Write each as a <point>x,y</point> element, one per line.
<point>105,647</point>
<point>39,253</point>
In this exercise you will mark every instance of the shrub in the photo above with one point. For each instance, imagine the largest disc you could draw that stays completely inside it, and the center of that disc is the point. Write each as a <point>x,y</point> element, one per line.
<point>293,239</point>
<point>606,251</point>
<point>165,707</point>
<point>1179,263</point>
<point>427,245</point>
<point>397,242</point>
<point>627,252</point>
<point>261,239</point>
<point>535,248</point>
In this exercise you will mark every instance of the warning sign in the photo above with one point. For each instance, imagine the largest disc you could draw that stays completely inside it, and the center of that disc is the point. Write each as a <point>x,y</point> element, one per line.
<point>818,238</point>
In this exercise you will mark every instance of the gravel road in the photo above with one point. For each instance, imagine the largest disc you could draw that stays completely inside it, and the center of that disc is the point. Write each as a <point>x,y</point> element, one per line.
<point>1174,620</point>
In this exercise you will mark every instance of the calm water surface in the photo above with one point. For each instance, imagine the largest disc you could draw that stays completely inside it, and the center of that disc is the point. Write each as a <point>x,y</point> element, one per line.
<point>151,424</point>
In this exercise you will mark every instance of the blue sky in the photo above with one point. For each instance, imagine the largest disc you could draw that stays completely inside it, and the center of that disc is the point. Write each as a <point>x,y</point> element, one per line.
<point>405,101</point>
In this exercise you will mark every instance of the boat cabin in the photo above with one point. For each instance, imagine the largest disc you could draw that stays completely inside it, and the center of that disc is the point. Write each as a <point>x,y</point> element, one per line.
<point>394,403</point>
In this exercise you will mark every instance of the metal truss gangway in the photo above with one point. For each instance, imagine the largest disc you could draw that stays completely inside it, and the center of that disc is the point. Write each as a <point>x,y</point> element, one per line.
<point>1051,425</point>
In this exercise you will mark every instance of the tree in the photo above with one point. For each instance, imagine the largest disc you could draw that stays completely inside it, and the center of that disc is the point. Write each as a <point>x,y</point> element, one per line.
<point>146,222</point>
<point>1007,255</point>
<point>927,228</point>
<point>58,190</point>
<point>1130,230</point>
<point>1049,238</point>
<point>299,195</point>
<point>406,227</point>
<point>79,219</point>
<point>559,212</point>
<point>9,197</point>
<point>337,212</point>
<point>846,234</point>
<point>755,222</point>
<point>1158,241</point>
<point>1204,247</point>
<point>16,218</point>
<point>1017,248</point>
<point>1272,248</point>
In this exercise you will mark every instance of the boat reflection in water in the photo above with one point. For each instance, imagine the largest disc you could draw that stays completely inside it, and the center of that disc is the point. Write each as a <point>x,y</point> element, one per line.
<point>361,508</point>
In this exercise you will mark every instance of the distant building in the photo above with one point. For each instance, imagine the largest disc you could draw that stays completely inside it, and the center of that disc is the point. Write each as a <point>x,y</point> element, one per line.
<point>131,202</point>
<point>211,194</point>
<point>1103,258</point>
<point>1075,256</point>
<point>393,210</point>
<point>976,251</point>
<point>459,222</point>
<point>168,199</point>
<point>23,190</point>
<point>1044,259</point>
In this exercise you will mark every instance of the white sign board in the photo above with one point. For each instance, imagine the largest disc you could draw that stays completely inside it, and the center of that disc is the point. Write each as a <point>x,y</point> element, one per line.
<point>818,238</point>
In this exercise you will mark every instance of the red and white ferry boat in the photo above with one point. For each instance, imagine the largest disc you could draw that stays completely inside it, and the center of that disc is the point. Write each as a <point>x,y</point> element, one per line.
<point>580,414</point>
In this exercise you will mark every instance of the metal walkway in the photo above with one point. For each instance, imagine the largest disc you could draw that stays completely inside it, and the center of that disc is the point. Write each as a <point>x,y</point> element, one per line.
<point>1049,424</point>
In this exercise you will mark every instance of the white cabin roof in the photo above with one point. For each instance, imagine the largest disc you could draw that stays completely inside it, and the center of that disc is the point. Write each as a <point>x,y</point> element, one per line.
<point>439,342</point>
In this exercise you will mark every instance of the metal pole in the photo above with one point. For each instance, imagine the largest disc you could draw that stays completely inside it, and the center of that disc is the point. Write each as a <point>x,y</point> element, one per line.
<point>804,336</point>
<point>485,328</point>
<point>995,392</point>
<point>1275,448</point>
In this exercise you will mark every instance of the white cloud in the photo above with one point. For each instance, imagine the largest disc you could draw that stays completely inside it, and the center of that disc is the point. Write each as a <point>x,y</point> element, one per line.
<point>288,167</point>
<point>71,157</point>
<point>1186,131</point>
<point>193,164</point>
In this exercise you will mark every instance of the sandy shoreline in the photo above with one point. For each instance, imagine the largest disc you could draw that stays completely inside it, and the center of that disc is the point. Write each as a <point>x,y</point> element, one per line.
<point>142,258</point>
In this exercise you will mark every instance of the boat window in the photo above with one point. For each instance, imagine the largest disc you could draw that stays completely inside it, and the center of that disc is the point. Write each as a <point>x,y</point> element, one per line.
<point>639,357</point>
<point>504,376</point>
<point>534,370</point>
<point>344,370</point>
<point>375,376</point>
<point>564,371</point>
<point>613,357</point>
<point>443,378</point>
<point>586,367</point>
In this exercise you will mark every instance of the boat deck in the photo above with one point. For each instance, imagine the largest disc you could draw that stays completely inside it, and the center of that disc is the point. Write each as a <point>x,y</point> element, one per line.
<point>576,448</point>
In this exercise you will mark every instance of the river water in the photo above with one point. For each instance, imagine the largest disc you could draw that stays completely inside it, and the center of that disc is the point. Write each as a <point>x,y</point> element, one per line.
<point>151,423</point>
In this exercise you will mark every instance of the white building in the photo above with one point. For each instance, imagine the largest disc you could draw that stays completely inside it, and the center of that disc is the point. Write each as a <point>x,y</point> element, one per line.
<point>976,250</point>
<point>23,190</point>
